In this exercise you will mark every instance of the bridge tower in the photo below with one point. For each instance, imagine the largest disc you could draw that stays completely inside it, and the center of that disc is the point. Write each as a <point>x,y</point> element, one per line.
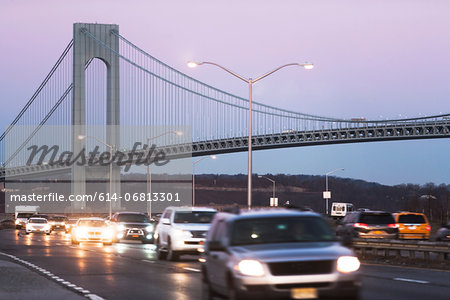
<point>86,48</point>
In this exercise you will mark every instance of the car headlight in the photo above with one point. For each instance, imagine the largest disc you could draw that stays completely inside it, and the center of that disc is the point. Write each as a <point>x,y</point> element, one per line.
<point>28,226</point>
<point>149,228</point>
<point>17,222</point>
<point>250,267</point>
<point>81,231</point>
<point>347,264</point>
<point>46,227</point>
<point>108,233</point>
<point>121,227</point>
<point>182,232</point>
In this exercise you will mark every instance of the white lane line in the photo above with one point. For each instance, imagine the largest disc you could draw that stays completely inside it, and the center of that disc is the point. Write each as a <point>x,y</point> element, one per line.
<point>192,269</point>
<point>74,287</point>
<point>411,280</point>
<point>149,261</point>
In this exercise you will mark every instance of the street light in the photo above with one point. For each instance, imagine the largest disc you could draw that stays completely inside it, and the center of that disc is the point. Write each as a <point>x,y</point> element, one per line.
<point>273,183</point>
<point>82,137</point>
<point>326,188</point>
<point>250,81</point>
<point>193,175</point>
<point>149,174</point>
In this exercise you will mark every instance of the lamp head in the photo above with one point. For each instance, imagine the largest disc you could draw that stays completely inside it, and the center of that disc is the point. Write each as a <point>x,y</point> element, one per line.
<point>213,157</point>
<point>193,64</point>
<point>308,66</point>
<point>179,133</point>
<point>81,137</point>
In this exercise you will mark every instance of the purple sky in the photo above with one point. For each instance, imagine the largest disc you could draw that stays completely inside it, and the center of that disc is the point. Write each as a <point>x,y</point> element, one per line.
<point>374,59</point>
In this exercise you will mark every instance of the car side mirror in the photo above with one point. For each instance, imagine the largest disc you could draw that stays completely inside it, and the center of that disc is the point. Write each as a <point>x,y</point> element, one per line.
<point>216,246</point>
<point>165,221</point>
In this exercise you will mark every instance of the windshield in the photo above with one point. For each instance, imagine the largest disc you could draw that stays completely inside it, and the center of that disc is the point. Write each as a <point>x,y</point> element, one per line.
<point>418,219</point>
<point>196,217</point>
<point>280,230</point>
<point>382,219</point>
<point>38,221</point>
<point>133,218</point>
<point>24,215</point>
<point>92,223</point>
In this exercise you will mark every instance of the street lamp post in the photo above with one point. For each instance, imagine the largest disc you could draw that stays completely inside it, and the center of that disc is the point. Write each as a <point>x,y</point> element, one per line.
<point>326,187</point>
<point>82,137</point>
<point>250,83</point>
<point>149,173</point>
<point>273,184</point>
<point>193,176</point>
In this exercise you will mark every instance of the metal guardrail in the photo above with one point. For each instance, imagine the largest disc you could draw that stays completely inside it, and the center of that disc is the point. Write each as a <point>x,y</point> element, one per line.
<point>442,249</point>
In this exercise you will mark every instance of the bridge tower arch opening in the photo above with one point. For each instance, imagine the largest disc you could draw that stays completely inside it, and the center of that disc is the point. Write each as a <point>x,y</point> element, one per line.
<point>94,44</point>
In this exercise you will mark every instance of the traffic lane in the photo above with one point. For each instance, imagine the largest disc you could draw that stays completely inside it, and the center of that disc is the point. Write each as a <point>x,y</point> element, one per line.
<point>379,282</point>
<point>407,274</point>
<point>113,272</point>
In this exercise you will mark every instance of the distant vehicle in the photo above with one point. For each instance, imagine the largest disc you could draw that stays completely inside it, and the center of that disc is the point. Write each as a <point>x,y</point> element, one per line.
<point>412,225</point>
<point>443,233</point>
<point>182,230</point>
<point>340,210</point>
<point>38,225</point>
<point>92,230</point>
<point>70,224</point>
<point>274,254</point>
<point>23,213</point>
<point>358,119</point>
<point>132,226</point>
<point>40,216</point>
<point>58,222</point>
<point>368,224</point>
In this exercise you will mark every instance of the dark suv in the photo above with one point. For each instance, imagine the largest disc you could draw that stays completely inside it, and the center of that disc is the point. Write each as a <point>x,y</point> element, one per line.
<point>278,253</point>
<point>132,226</point>
<point>368,224</point>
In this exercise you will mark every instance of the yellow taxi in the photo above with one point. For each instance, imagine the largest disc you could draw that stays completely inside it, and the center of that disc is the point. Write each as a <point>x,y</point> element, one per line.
<point>412,225</point>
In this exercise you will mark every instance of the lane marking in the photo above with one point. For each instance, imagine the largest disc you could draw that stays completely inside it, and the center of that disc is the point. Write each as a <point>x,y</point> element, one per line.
<point>149,261</point>
<point>411,280</point>
<point>191,269</point>
<point>55,278</point>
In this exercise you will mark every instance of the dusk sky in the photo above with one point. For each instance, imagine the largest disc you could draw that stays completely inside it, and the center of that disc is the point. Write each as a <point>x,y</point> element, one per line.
<point>373,59</point>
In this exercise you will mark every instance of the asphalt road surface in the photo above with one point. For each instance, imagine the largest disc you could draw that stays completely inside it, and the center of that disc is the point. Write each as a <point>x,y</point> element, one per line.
<point>131,271</point>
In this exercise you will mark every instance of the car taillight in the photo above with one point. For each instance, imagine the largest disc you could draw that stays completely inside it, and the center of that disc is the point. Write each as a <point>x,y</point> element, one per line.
<point>428,227</point>
<point>361,225</point>
<point>393,225</point>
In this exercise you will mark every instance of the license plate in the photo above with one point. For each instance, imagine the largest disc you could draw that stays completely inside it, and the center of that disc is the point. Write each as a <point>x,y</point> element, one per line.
<point>412,227</point>
<point>304,293</point>
<point>378,232</point>
<point>135,236</point>
<point>38,230</point>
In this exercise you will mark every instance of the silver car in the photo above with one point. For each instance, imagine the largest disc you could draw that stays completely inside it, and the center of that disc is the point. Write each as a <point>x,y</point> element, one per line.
<point>273,254</point>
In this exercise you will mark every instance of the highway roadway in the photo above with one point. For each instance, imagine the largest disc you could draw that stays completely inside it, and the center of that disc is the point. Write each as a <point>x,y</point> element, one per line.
<point>131,271</point>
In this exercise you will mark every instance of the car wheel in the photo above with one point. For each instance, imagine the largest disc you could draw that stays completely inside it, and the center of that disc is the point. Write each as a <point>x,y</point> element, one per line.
<point>171,254</point>
<point>159,253</point>
<point>27,232</point>
<point>48,233</point>
<point>233,293</point>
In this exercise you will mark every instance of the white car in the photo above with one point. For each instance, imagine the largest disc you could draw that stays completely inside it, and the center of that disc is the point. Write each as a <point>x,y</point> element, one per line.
<point>38,225</point>
<point>92,230</point>
<point>182,230</point>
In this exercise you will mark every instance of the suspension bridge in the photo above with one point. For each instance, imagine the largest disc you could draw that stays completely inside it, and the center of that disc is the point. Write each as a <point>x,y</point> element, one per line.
<point>101,78</point>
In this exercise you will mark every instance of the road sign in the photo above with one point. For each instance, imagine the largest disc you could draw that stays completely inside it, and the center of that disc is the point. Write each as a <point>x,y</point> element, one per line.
<point>327,195</point>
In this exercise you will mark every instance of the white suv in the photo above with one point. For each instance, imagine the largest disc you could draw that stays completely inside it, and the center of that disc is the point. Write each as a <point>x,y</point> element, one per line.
<point>182,230</point>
